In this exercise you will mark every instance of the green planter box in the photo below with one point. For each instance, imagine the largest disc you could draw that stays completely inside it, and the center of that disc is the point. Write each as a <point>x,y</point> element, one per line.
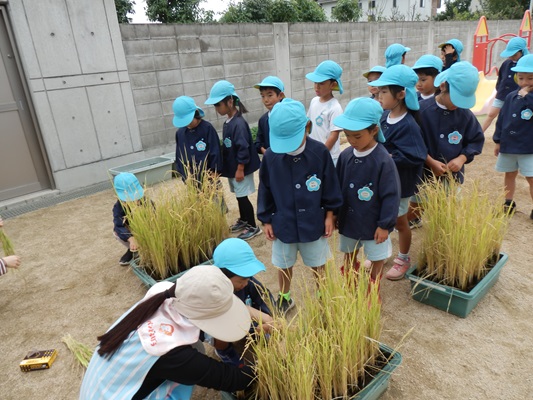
<point>149,281</point>
<point>148,172</point>
<point>376,387</point>
<point>449,299</point>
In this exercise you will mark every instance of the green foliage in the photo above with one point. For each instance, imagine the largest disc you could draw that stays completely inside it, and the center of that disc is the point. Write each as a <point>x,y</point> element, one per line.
<point>310,11</point>
<point>177,11</point>
<point>283,11</point>
<point>346,11</point>
<point>274,11</point>
<point>254,132</point>
<point>457,10</point>
<point>124,7</point>
<point>504,9</point>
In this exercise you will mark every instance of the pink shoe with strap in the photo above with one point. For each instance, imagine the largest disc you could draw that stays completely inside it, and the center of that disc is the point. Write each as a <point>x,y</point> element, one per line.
<point>399,269</point>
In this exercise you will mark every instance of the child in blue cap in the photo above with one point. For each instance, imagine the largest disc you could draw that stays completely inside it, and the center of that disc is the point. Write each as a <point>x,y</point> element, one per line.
<point>324,108</point>
<point>197,142</point>
<point>237,261</point>
<point>450,52</point>
<point>271,89</point>
<point>298,193</point>
<point>403,141</point>
<point>516,48</point>
<point>395,54</point>
<point>240,160</point>
<point>128,189</point>
<point>370,187</point>
<point>427,68</point>
<point>451,131</point>
<point>513,133</point>
<point>372,75</point>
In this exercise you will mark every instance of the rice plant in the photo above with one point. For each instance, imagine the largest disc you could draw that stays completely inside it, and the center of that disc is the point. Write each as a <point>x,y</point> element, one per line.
<point>81,352</point>
<point>181,228</point>
<point>329,347</point>
<point>464,226</point>
<point>6,244</point>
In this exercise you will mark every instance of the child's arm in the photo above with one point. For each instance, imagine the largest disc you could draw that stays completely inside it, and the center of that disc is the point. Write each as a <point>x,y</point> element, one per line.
<point>266,322</point>
<point>214,158</point>
<point>436,166</point>
<point>381,235</point>
<point>265,200</point>
<point>410,149</point>
<point>472,143</point>
<point>119,227</point>
<point>329,224</point>
<point>241,137</point>
<point>9,262</point>
<point>260,139</point>
<point>332,139</point>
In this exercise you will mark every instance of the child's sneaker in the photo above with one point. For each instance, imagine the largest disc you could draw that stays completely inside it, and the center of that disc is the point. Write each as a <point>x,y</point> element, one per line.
<point>415,223</point>
<point>126,258</point>
<point>238,226</point>
<point>509,206</point>
<point>283,305</point>
<point>230,356</point>
<point>399,269</point>
<point>250,232</point>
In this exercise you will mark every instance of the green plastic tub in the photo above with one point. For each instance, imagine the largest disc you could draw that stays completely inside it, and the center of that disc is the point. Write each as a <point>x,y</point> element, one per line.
<point>149,281</point>
<point>148,172</point>
<point>449,299</point>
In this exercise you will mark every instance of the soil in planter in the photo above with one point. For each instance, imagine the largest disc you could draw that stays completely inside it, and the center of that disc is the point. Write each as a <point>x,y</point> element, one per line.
<point>422,273</point>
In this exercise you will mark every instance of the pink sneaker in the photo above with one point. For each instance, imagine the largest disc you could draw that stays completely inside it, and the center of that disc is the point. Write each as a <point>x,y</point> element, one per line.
<point>398,270</point>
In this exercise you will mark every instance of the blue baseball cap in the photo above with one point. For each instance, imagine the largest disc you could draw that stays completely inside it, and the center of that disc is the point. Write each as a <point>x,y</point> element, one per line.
<point>377,69</point>
<point>515,45</point>
<point>127,187</point>
<point>287,123</point>
<point>271,81</point>
<point>463,78</point>
<point>220,91</point>
<point>394,53</point>
<point>238,257</point>
<point>327,70</point>
<point>457,45</point>
<point>401,75</point>
<point>525,64</point>
<point>428,61</point>
<point>184,109</point>
<point>359,114</point>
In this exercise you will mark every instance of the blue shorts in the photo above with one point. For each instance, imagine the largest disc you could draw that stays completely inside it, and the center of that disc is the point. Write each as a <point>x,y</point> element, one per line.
<point>243,188</point>
<point>314,254</point>
<point>515,162</point>
<point>404,206</point>
<point>497,103</point>
<point>372,250</point>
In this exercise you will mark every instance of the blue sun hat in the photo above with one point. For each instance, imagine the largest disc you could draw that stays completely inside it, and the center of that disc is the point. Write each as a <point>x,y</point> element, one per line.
<point>359,114</point>
<point>463,78</point>
<point>457,45</point>
<point>238,257</point>
<point>377,69</point>
<point>220,91</point>
<point>127,187</point>
<point>287,123</point>
<point>271,81</point>
<point>401,75</point>
<point>327,70</point>
<point>515,45</point>
<point>525,64</point>
<point>184,109</point>
<point>428,61</point>
<point>394,53</point>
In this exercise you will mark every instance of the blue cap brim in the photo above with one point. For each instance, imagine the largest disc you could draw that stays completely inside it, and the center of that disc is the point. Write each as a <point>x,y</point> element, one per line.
<point>131,194</point>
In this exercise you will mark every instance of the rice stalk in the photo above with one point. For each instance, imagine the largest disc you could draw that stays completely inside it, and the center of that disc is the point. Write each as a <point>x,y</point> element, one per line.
<point>7,245</point>
<point>81,352</point>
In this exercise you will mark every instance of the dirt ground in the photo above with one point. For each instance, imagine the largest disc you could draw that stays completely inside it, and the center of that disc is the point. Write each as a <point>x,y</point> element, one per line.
<point>70,283</point>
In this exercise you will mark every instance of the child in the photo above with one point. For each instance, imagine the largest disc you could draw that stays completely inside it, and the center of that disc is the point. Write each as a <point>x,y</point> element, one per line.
<point>514,146</point>
<point>405,144</point>
<point>237,261</point>
<point>298,192</point>
<point>240,160</point>
<point>516,48</point>
<point>451,131</point>
<point>450,52</point>
<point>370,187</point>
<point>197,142</point>
<point>427,68</point>
<point>395,54</point>
<point>324,107</point>
<point>271,89</point>
<point>128,189</point>
<point>372,75</point>
<point>6,262</point>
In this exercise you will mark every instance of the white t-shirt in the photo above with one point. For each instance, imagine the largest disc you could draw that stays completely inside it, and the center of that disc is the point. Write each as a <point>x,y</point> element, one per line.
<point>322,116</point>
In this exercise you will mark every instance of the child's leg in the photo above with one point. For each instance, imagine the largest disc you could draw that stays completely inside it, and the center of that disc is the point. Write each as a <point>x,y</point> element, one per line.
<point>246,210</point>
<point>404,234</point>
<point>402,262</point>
<point>319,273</point>
<point>351,262</point>
<point>510,184</point>
<point>284,280</point>
<point>530,181</point>
<point>376,270</point>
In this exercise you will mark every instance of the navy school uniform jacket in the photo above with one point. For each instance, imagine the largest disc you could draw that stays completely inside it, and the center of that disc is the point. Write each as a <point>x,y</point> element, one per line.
<point>255,292</point>
<point>263,133</point>
<point>296,191</point>
<point>505,83</point>
<point>405,144</point>
<point>514,127</point>
<point>238,148</point>
<point>450,133</point>
<point>197,147</point>
<point>120,220</point>
<point>371,191</point>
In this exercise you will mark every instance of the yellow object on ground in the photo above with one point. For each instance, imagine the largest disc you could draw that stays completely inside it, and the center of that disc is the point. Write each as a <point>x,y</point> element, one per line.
<point>485,94</point>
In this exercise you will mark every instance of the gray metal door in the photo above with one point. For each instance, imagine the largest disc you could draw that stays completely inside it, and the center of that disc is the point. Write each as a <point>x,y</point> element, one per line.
<point>23,169</point>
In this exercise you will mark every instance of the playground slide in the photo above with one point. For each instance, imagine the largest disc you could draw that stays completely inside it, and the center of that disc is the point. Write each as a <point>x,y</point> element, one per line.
<point>485,93</point>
